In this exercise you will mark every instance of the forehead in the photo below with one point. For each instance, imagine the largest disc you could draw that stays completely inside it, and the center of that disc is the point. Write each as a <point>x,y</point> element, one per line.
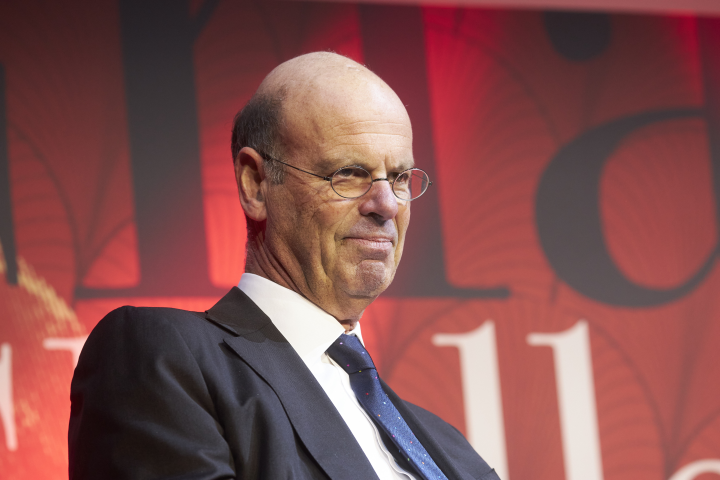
<point>351,121</point>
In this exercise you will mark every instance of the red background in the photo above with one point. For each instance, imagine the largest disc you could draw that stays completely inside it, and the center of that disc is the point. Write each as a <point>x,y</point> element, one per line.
<point>501,101</point>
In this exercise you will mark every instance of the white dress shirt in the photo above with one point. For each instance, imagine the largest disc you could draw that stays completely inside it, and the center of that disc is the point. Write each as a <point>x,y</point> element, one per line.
<point>310,331</point>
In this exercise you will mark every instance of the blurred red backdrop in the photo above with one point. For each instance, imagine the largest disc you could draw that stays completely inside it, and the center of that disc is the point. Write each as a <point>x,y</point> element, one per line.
<point>497,99</point>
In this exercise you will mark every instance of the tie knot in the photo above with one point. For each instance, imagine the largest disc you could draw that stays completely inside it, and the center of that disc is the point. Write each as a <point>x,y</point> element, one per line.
<point>349,353</point>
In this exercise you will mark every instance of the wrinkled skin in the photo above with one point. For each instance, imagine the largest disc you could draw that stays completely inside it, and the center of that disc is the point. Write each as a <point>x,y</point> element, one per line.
<point>338,253</point>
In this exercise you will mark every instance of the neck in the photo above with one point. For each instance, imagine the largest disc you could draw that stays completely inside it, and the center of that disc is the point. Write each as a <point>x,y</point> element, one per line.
<point>348,324</point>
<point>261,262</point>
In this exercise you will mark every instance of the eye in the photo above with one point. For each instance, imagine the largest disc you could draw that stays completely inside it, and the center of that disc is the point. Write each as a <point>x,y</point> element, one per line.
<point>401,178</point>
<point>350,172</point>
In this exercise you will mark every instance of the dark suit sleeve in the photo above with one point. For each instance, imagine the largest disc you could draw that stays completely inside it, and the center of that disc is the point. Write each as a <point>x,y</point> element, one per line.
<point>454,444</point>
<point>140,408</point>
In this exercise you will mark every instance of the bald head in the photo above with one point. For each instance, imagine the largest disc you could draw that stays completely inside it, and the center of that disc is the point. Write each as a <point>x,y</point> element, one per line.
<point>299,93</point>
<point>325,89</point>
<point>312,70</point>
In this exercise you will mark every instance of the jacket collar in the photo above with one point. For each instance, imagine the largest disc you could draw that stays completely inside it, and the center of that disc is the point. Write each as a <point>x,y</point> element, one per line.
<point>313,416</point>
<point>309,329</point>
<point>238,314</point>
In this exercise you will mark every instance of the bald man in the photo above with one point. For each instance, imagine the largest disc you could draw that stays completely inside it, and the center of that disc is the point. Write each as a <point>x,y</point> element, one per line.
<point>273,382</point>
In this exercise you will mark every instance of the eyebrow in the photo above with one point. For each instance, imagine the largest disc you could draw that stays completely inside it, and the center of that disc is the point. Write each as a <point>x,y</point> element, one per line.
<point>330,165</point>
<point>406,165</point>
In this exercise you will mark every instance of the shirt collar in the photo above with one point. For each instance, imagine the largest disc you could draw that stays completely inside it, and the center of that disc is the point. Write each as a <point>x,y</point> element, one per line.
<point>309,329</point>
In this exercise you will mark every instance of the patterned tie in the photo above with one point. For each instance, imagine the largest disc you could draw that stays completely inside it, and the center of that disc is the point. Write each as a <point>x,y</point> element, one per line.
<point>349,353</point>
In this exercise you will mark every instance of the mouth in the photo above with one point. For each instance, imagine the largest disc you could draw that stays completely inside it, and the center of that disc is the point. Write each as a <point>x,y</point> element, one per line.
<point>373,240</point>
<point>373,247</point>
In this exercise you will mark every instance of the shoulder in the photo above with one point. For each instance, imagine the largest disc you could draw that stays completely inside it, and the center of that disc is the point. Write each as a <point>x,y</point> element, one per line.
<point>140,388</point>
<point>155,325</point>
<point>147,318</point>
<point>130,338</point>
<point>453,442</point>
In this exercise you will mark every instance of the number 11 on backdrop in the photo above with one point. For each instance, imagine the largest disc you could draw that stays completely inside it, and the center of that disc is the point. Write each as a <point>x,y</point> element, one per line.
<point>575,392</point>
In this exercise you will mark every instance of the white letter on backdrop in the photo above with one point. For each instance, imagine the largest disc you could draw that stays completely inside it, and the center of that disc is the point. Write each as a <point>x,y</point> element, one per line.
<point>481,392</point>
<point>7,409</point>
<point>692,470</point>
<point>576,400</point>
<point>73,345</point>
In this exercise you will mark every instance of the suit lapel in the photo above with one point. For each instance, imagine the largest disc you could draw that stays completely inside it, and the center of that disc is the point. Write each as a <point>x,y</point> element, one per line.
<point>433,448</point>
<point>313,416</point>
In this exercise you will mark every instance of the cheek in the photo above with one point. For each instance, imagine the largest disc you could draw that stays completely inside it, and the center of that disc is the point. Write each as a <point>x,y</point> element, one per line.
<point>296,228</point>
<point>328,225</point>
<point>402,223</point>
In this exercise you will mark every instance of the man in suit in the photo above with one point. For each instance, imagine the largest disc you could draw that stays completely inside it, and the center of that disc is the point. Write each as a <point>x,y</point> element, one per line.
<point>273,382</point>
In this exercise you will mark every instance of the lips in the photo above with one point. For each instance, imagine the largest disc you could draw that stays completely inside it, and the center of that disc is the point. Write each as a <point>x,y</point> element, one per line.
<point>373,239</point>
<point>372,248</point>
<point>386,233</point>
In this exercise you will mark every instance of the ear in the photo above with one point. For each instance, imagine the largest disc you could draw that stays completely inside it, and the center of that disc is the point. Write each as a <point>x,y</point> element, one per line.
<point>250,178</point>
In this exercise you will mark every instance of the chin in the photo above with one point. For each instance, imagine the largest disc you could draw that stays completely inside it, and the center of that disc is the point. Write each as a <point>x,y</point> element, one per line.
<point>370,279</point>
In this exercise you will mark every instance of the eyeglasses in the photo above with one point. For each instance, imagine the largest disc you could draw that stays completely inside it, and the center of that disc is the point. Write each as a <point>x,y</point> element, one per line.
<point>353,181</point>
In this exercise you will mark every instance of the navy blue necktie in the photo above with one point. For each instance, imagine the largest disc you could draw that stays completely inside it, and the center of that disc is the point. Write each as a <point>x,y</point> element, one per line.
<point>349,353</point>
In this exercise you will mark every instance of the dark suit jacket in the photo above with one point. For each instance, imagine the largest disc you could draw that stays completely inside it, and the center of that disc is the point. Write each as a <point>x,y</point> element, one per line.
<point>165,393</point>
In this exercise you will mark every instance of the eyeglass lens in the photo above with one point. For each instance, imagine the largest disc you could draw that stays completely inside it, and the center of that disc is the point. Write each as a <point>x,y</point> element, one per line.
<point>410,184</point>
<point>353,182</point>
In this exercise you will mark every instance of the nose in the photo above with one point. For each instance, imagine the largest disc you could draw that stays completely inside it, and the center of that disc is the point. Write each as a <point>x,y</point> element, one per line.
<point>380,201</point>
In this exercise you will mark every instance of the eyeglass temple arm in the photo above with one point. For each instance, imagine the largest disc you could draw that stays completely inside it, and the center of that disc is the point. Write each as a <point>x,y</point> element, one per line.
<point>327,179</point>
